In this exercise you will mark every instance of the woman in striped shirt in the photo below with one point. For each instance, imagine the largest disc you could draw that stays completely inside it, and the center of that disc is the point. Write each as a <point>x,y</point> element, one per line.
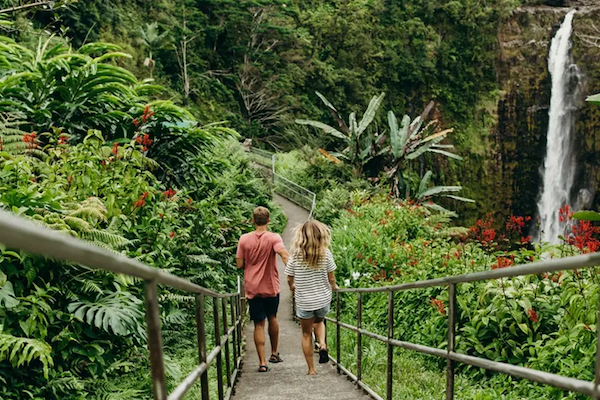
<point>311,278</point>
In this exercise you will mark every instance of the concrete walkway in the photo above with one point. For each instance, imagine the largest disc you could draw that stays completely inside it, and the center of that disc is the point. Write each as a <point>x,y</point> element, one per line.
<point>288,380</point>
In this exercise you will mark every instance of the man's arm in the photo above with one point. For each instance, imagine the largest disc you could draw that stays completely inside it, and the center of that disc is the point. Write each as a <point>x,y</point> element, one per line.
<point>285,256</point>
<point>239,262</point>
<point>331,277</point>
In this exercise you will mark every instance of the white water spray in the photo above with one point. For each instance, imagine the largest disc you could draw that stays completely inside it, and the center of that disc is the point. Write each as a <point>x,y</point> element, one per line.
<point>559,165</point>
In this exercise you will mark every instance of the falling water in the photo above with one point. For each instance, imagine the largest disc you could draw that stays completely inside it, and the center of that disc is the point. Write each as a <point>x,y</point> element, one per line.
<point>559,166</point>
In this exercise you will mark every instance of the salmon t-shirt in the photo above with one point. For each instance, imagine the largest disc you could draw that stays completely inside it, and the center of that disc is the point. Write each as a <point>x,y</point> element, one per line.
<point>259,251</point>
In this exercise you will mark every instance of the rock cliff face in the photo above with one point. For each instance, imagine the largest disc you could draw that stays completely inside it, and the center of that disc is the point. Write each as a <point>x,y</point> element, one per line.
<point>510,180</point>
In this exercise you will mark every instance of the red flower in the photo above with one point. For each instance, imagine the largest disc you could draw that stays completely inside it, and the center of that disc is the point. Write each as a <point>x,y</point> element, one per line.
<point>488,235</point>
<point>502,262</point>
<point>136,122</point>
<point>526,239</point>
<point>360,256</point>
<point>145,141</point>
<point>532,315</point>
<point>139,204</point>
<point>189,201</point>
<point>145,195</point>
<point>29,138</point>
<point>565,213</point>
<point>370,260</point>
<point>584,237</point>
<point>171,235</point>
<point>62,139</point>
<point>115,149</point>
<point>170,193</point>
<point>147,114</point>
<point>439,304</point>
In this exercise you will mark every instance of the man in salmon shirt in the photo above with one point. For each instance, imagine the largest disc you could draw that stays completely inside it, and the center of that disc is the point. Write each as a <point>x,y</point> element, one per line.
<point>256,254</point>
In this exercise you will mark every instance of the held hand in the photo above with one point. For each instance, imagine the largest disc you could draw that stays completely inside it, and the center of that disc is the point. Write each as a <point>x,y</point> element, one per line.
<point>334,286</point>
<point>293,287</point>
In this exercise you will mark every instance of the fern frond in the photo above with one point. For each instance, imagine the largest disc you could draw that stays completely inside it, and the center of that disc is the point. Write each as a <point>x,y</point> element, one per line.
<point>111,239</point>
<point>20,351</point>
<point>94,213</point>
<point>176,298</point>
<point>118,313</point>
<point>202,259</point>
<point>78,224</point>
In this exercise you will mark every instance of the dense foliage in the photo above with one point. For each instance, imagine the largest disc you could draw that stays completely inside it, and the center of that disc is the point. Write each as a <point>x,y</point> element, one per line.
<point>70,332</point>
<point>545,322</point>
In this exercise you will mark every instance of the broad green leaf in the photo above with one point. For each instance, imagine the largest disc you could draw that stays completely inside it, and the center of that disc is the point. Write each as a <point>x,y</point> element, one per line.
<point>425,181</point>
<point>439,189</point>
<point>446,153</point>
<point>595,99</point>
<point>459,198</point>
<point>368,116</point>
<point>324,127</point>
<point>587,216</point>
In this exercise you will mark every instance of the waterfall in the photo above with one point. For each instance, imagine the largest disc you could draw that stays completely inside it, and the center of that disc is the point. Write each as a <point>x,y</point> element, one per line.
<point>559,163</point>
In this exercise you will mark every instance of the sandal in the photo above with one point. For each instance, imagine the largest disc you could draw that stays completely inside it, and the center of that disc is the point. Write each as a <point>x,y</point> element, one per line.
<point>275,358</point>
<point>323,356</point>
<point>263,368</point>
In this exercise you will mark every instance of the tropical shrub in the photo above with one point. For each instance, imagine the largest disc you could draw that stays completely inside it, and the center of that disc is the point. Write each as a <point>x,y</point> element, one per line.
<point>546,322</point>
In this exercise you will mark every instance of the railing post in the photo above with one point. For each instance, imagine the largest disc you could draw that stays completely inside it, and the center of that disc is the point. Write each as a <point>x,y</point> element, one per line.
<point>596,395</point>
<point>217,343</point>
<point>390,348</point>
<point>201,330</point>
<point>451,335</point>
<point>359,339</point>
<point>338,334</point>
<point>225,330</point>
<point>232,308</point>
<point>157,366</point>
<point>239,314</point>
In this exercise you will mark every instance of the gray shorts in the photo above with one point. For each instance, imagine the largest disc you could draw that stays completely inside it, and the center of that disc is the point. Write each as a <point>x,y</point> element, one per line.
<point>319,314</point>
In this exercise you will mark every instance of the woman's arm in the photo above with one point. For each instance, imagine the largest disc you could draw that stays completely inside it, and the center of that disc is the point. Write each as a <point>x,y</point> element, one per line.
<point>331,278</point>
<point>290,280</point>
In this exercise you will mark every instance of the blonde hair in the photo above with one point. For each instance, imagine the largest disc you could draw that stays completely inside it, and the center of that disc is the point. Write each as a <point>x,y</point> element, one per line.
<point>311,242</point>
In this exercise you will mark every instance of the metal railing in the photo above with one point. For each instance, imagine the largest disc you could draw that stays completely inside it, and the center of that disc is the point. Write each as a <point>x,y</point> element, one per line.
<point>282,185</point>
<point>20,233</point>
<point>576,385</point>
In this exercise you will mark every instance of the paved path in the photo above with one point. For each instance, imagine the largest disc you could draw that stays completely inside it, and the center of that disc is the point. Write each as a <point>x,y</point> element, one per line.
<point>288,380</point>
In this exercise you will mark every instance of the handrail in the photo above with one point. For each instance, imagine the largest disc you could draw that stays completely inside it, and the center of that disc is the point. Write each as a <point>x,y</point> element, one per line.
<point>540,267</point>
<point>310,196</point>
<point>20,233</point>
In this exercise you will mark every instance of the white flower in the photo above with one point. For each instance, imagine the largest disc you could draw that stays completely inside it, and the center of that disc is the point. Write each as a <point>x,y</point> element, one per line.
<point>346,282</point>
<point>345,227</point>
<point>355,275</point>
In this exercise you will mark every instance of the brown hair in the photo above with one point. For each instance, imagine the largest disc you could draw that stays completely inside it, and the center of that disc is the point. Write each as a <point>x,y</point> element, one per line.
<point>311,242</point>
<point>260,215</point>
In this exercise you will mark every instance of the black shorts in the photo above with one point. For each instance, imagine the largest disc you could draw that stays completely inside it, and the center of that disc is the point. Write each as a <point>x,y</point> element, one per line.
<point>263,307</point>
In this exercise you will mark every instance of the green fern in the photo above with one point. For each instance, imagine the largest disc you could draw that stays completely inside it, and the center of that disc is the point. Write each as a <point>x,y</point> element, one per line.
<point>202,259</point>
<point>118,313</point>
<point>20,351</point>
<point>100,236</point>
<point>91,209</point>
<point>176,298</point>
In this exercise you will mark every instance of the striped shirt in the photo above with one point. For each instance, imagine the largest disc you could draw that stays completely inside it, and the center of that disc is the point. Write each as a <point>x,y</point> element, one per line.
<point>313,290</point>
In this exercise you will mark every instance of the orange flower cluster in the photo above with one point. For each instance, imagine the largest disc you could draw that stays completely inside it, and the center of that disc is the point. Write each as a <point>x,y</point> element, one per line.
<point>439,305</point>
<point>29,139</point>
<point>141,202</point>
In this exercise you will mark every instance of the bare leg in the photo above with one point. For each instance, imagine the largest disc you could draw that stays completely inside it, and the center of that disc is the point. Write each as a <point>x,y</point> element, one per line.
<point>307,344</point>
<point>320,332</point>
<point>274,333</point>
<point>259,340</point>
